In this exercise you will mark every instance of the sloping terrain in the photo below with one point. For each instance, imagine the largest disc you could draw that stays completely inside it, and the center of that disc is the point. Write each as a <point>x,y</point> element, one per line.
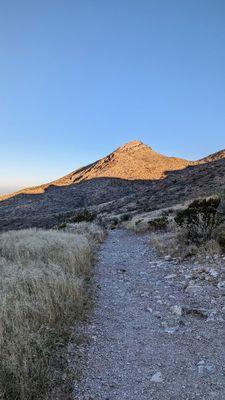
<point>213,157</point>
<point>133,161</point>
<point>133,178</point>
<point>155,333</point>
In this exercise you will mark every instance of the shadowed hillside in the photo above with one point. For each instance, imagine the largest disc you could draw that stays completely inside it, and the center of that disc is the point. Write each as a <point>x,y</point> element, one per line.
<point>131,179</point>
<point>133,161</point>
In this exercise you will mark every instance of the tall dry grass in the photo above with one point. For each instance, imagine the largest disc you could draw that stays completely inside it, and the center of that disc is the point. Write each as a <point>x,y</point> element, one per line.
<point>42,276</point>
<point>92,231</point>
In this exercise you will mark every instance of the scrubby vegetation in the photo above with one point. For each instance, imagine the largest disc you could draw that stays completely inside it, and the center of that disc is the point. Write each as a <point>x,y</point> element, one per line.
<point>199,220</point>
<point>150,222</point>
<point>83,215</point>
<point>125,217</point>
<point>42,293</point>
<point>198,230</point>
<point>158,224</point>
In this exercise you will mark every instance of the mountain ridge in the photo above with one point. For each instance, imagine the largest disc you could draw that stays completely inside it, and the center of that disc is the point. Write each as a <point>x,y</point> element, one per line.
<point>218,155</point>
<point>134,160</point>
<point>132,179</point>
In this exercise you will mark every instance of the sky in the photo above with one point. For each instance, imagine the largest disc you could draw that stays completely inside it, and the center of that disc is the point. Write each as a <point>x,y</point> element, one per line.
<point>79,78</point>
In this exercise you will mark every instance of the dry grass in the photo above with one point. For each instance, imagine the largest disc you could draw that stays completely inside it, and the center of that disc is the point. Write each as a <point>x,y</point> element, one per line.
<point>94,232</point>
<point>171,240</point>
<point>42,294</point>
<point>173,243</point>
<point>140,222</point>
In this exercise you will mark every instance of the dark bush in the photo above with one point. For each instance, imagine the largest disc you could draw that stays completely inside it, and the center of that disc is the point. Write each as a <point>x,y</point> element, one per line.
<point>125,217</point>
<point>114,222</point>
<point>200,219</point>
<point>62,226</point>
<point>158,223</point>
<point>76,216</point>
<point>84,215</point>
<point>138,222</point>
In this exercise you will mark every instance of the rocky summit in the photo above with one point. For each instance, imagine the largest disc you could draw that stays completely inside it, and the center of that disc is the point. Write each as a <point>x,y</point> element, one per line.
<point>132,178</point>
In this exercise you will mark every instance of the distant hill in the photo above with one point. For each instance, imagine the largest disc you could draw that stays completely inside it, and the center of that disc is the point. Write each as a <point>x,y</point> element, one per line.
<point>132,178</point>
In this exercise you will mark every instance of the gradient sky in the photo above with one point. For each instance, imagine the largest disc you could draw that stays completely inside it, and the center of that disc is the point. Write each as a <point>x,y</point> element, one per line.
<point>78,78</point>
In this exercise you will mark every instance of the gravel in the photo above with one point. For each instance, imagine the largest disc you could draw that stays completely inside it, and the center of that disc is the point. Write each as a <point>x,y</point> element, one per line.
<point>140,344</point>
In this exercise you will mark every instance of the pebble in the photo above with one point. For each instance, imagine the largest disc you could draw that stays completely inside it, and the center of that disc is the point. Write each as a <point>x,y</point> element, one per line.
<point>213,273</point>
<point>171,276</point>
<point>157,377</point>
<point>176,310</point>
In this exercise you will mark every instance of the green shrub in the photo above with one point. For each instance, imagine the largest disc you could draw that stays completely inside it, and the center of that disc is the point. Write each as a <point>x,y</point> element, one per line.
<point>62,226</point>
<point>158,223</point>
<point>199,220</point>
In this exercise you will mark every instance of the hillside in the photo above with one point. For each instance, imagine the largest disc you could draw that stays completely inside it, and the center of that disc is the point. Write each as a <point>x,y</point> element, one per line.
<point>135,160</point>
<point>219,155</point>
<point>133,178</point>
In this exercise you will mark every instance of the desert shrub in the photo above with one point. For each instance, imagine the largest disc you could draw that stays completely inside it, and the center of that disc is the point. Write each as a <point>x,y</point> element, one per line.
<point>42,278</point>
<point>75,216</point>
<point>199,220</point>
<point>113,222</point>
<point>138,222</point>
<point>125,217</point>
<point>158,224</point>
<point>61,226</point>
<point>84,215</point>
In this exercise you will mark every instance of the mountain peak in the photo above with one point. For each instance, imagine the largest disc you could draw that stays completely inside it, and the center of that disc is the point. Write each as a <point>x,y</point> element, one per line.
<point>134,144</point>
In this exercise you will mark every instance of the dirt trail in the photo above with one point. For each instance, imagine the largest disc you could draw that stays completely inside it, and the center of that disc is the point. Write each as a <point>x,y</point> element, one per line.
<point>138,346</point>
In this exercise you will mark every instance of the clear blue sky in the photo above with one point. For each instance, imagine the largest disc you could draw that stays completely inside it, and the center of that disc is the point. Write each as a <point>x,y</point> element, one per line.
<point>79,78</point>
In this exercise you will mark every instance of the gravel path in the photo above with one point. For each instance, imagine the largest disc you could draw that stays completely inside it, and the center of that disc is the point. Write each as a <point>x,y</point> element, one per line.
<point>148,338</point>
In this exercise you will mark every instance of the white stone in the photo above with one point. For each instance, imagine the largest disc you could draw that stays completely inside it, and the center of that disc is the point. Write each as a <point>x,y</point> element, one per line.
<point>213,272</point>
<point>157,377</point>
<point>171,330</point>
<point>170,276</point>
<point>176,310</point>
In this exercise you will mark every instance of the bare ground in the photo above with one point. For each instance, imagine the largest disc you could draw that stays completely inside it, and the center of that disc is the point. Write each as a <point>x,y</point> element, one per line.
<point>139,346</point>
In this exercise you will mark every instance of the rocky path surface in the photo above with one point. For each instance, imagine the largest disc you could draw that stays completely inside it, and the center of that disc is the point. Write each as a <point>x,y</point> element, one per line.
<point>155,333</point>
